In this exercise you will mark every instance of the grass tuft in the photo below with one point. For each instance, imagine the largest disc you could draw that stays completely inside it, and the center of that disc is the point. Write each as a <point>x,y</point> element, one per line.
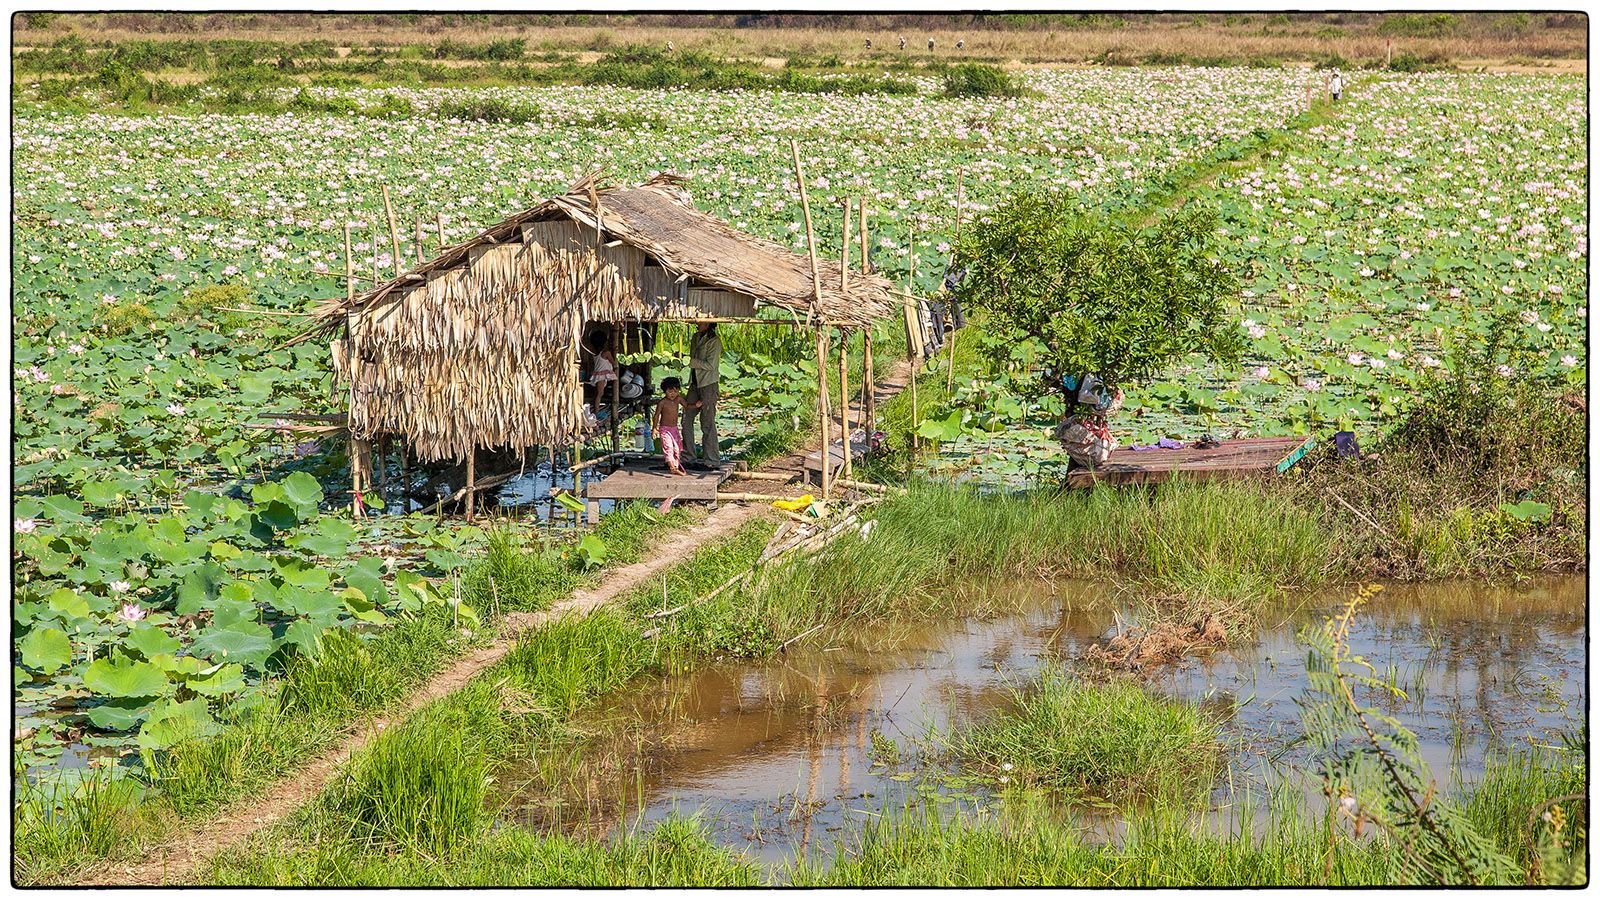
<point>1114,742</point>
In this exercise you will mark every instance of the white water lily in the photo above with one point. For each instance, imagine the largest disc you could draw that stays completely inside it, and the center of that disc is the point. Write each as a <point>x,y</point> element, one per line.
<point>119,587</point>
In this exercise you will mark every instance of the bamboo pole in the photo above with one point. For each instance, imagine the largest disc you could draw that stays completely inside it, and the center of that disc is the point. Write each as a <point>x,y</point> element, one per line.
<point>383,468</point>
<point>422,253</point>
<point>869,411</point>
<point>844,398</point>
<point>376,275</point>
<point>824,460</point>
<point>349,266</point>
<point>866,261</point>
<point>822,330</point>
<point>472,496</point>
<point>441,233</point>
<point>844,251</point>
<point>349,294</point>
<point>950,377</point>
<point>394,230</point>
<point>913,315</point>
<point>811,238</point>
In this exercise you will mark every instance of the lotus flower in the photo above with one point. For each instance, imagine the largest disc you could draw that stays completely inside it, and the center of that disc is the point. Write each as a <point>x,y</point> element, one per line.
<point>24,526</point>
<point>131,612</point>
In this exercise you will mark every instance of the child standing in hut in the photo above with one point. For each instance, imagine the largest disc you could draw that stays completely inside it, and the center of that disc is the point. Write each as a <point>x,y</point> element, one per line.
<point>664,427</point>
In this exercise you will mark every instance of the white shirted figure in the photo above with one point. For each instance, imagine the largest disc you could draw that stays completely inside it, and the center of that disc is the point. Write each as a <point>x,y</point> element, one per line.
<point>1336,85</point>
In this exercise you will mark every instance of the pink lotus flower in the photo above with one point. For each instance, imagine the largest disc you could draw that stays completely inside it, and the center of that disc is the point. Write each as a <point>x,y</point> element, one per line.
<point>24,526</point>
<point>131,612</point>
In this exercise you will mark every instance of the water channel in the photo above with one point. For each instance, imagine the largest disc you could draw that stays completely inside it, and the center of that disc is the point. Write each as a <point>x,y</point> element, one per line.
<point>784,757</point>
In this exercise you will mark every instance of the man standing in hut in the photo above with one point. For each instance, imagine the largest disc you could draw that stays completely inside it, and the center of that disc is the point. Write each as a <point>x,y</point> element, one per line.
<point>705,365</point>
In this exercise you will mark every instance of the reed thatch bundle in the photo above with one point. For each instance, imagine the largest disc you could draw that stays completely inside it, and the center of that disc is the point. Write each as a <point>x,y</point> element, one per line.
<point>478,347</point>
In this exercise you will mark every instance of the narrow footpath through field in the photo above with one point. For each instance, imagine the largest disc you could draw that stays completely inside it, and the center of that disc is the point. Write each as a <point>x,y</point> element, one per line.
<point>177,859</point>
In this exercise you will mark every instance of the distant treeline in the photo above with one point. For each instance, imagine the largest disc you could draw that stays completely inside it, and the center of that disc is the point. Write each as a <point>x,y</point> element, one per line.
<point>1414,24</point>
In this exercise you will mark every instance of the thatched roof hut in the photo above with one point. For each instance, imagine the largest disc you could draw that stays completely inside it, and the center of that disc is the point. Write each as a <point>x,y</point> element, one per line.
<point>479,346</point>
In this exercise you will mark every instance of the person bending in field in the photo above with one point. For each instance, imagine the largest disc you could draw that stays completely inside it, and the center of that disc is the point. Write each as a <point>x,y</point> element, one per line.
<point>665,426</point>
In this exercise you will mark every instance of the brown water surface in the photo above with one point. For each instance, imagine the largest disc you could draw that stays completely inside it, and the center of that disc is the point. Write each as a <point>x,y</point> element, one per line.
<point>782,757</point>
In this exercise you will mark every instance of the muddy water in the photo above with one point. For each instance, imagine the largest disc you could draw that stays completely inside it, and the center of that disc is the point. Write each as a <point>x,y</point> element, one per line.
<point>783,757</point>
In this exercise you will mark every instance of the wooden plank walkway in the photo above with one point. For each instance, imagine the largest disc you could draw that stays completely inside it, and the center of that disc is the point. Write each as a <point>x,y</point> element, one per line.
<point>648,478</point>
<point>1245,458</point>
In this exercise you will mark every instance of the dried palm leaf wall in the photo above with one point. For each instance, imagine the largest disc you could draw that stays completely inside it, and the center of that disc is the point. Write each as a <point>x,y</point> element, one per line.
<point>485,354</point>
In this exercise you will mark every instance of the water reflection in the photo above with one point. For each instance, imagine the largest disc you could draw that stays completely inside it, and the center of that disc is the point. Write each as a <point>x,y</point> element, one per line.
<point>782,757</point>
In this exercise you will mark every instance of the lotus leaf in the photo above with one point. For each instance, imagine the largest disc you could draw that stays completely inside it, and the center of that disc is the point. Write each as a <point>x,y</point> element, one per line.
<point>126,678</point>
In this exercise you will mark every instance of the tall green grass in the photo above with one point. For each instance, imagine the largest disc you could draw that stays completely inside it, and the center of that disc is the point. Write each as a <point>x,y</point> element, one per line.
<point>1214,545</point>
<point>424,785</point>
<point>1114,742</point>
<point>676,853</point>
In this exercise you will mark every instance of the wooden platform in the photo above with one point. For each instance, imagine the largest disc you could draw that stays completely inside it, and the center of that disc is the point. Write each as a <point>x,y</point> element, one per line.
<point>813,460</point>
<point>1246,458</point>
<point>648,478</point>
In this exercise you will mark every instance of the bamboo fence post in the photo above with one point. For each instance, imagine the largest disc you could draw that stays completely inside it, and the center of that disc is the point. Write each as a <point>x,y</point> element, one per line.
<point>421,251</point>
<point>913,315</point>
<point>394,230</point>
<point>824,459</point>
<point>950,377</point>
<point>822,329</point>
<point>349,343</point>
<point>844,398</point>
<point>376,275</point>
<point>577,470</point>
<point>868,399</point>
<point>472,464</point>
<point>383,468</point>
<point>844,251</point>
<point>616,400</point>
<point>349,270</point>
<point>441,233</point>
<point>405,482</point>
<point>811,238</point>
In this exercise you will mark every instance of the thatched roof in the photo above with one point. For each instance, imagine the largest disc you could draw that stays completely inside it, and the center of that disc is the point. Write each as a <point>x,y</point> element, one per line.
<point>659,219</point>
<point>478,347</point>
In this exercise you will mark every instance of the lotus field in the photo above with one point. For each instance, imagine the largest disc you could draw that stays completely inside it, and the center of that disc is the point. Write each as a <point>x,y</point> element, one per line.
<point>168,557</point>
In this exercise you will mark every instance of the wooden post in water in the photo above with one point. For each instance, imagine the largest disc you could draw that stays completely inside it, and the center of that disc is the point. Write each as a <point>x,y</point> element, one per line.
<point>869,412</point>
<point>914,342</point>
<point>950,377</point>
<point>844,397</point>
<point>349,343</point>
<point>824,460</point>
<point>394,230</point>
<point>472,481</point>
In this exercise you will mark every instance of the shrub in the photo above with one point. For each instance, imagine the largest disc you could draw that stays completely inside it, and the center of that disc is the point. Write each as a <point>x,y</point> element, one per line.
<point>487,109</point>
<point>202,300</point>
<point>121,318</point>
<point>978,80</point>
<point>1419,24</point>
<point>1083,291</point>
<point>1489,411</point>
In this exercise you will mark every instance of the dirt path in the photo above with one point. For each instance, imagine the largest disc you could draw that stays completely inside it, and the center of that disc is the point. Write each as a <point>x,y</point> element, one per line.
<point>177,860</point>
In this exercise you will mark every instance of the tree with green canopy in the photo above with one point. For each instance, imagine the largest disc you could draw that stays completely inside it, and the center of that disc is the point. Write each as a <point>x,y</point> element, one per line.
<point>1099,296</point>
